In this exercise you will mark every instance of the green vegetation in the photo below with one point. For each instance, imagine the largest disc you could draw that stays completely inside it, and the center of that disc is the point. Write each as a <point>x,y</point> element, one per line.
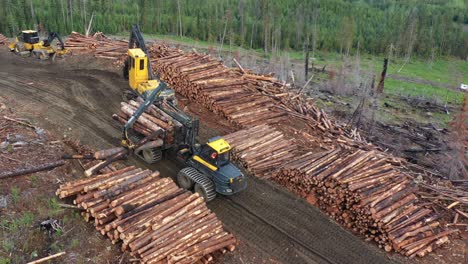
<point>422,90</point>
<point>15,194</point>
<point>4,260</point>
<point>54,204</point>
<point>25,220</point>
<point>8,245</point>
<point>425,27</point>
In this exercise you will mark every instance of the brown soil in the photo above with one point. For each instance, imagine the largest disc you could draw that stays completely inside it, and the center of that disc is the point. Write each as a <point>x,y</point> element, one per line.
<point>75,97</point>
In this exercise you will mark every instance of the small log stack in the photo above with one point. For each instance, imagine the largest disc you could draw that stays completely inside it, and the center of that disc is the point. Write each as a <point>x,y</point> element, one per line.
<point>98,44</point>
<point>3,40</point>
<point>153,119</point>
<point>154,219</point>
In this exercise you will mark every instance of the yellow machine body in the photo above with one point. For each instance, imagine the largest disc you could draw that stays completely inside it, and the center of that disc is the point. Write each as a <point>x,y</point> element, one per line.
<point>138,72</point>
<point>219,145</point>
<point>32,43</point>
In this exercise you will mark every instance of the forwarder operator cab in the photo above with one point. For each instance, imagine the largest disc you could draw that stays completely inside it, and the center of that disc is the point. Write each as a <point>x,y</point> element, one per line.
<point>138,76</point>
<point>29,36</point>
<point>216,152</point>
<point>214,156</point>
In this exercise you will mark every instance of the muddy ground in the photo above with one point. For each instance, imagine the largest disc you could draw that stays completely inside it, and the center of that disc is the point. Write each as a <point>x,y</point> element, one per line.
<point>75,98</point>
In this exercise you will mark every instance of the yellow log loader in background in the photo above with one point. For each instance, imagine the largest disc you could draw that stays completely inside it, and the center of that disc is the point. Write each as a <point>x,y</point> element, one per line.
<point>28,43</point>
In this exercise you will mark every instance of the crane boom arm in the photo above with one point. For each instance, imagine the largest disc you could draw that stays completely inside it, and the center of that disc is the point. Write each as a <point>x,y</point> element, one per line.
<point>52,36</point>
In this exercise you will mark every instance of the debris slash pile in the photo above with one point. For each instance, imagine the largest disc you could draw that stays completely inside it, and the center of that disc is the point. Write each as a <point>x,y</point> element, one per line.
<point>153,218</point>
<point>364,192</point>
<point>261,149</point>
<point>3,40</point>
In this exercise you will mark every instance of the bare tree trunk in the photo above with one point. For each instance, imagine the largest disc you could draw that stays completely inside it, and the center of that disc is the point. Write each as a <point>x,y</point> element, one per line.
<point>33,14</point>
<point>180,18</point>
<point>380,87</point>
<point>88,30</point>
<point>314,32</point>
<point>252,35</point>
<point>224,35</point>
<point>70,12</point>
<point>64,18</point>
<point>306,62</point>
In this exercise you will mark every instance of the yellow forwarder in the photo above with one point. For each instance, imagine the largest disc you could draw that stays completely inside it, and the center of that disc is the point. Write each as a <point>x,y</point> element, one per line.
<point>208,167</point>
<point>27,43</point>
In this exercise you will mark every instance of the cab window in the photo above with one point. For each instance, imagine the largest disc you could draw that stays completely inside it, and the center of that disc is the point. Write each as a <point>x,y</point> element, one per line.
<point>209,155</point>
<point>142,64</point>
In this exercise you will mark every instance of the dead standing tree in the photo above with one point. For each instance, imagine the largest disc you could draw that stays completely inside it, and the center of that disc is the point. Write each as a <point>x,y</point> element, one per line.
<point>457,161</point>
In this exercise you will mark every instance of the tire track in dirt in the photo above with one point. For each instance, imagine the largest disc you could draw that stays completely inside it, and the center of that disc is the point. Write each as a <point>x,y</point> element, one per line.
<point>266,218</point>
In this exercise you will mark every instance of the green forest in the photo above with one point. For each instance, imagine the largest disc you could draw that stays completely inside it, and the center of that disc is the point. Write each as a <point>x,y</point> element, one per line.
<point>426,28</point>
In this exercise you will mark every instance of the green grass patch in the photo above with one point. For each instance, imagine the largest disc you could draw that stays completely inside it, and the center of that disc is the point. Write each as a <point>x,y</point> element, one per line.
<point>34,180</point>
<point>15,194</point>
<point>5,260</point>
<point>25,220</point>
<point>54,207</point>
<point>8,245</point>
<point>401,88</point>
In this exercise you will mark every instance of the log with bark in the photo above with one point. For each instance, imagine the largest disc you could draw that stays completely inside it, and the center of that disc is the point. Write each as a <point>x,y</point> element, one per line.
<point>362,190</point>
<point>32,169</point>
<point>150,216</point>
<point>3,40</point>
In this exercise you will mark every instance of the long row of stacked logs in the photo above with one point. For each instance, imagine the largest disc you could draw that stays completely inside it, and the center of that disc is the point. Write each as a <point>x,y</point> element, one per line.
<point>301,107</point>
<point>247,99</point>
<point>261,149</point>
<point>98,43</point>
<point>360,189</point>
<point>3,40</point>
<point>220,89</point>
<point>240,95</point>
<point>154,219</point>
<point>104,47</point>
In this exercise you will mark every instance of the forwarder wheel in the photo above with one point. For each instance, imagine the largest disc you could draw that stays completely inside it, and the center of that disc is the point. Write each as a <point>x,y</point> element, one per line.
<point>184,178</point>
<point>151,155</point>
<point>205,191</point>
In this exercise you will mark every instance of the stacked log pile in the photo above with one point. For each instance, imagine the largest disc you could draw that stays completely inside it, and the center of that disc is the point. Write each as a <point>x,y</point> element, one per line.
<point>220,89</point>
<point>98,44</point>
<point>364,192</point>
<point>153,119</point>
<point>242,96</point>
<point>261,149</point>
<point>3,40</point>
<point>155,220</point>
<point>353,182</point>
<point>115,49</point>
<point>302,108</point>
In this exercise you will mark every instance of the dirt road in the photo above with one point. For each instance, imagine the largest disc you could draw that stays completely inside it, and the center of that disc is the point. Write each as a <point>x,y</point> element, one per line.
<point>77,96</point>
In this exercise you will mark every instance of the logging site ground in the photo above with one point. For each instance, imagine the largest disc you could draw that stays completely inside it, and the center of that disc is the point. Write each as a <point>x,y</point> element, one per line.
<point>74,98</point>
